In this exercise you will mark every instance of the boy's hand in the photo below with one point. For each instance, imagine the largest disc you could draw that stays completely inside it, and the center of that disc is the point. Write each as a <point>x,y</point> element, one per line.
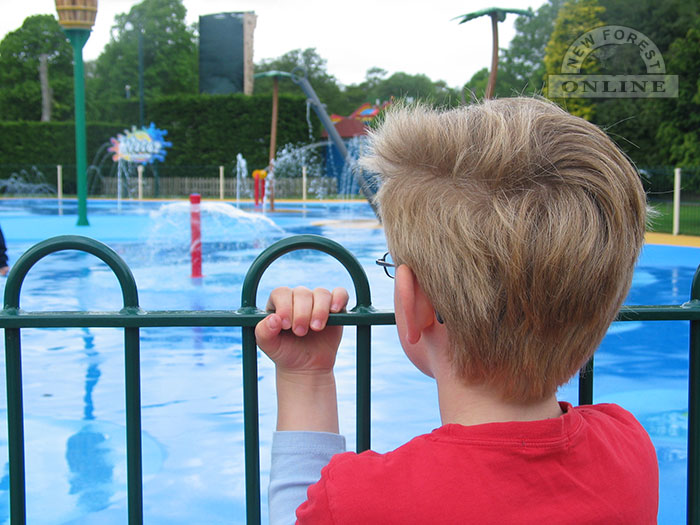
<point>295,336</point>
<point>303,349</point>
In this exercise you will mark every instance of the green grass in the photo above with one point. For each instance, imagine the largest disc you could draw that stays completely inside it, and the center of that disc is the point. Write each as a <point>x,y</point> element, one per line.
<point>689,223</point>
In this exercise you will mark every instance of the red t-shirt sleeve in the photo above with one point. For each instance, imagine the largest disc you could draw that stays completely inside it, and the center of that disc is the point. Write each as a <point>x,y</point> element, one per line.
<point>316,509</point>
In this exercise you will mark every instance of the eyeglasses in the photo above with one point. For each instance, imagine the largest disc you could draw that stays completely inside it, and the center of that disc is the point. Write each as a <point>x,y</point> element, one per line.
<point>388,264</point>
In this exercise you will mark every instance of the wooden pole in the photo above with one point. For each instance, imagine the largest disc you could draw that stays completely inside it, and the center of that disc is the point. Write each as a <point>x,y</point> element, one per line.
<point>59,181</point>
<point>59,188</point>
<point>303,183</point>
<point>139,172</point>
<point>491,86</point>
<point>273,143</point>
<point>221,183</point>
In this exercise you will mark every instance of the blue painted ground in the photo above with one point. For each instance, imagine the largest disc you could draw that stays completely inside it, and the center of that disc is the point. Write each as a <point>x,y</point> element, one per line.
<point>191,394</point>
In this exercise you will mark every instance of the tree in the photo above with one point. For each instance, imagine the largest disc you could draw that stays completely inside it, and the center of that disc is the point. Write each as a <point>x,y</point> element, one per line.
<point>521,66</point>
<point>366,91</point>
<point>679,132</point>
<point>497,15</point>
<point>403,85</point>
<point>523,61</point>
<point>169,54</point>
<point>636,122</point>
<point>20,89</point>
<point>324,84</point>
<point>378,89</point>
<point>475,88</point>
<point>575,18</point>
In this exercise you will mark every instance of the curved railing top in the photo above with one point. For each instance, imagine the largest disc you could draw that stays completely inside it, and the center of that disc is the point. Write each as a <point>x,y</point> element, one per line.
<point>305,242</point>
<point>19,271</point>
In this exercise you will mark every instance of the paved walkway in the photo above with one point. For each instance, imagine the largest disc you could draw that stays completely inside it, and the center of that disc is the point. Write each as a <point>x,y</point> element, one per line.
<point>672,240</point>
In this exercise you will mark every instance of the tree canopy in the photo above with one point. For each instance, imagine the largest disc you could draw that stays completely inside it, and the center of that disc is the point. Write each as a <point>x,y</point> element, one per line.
<point>20,88</point>
<point>324,84</point>
<point>679,130</point>
<point>575,18</point>
<point>169,54</point>
<point>651,131</point>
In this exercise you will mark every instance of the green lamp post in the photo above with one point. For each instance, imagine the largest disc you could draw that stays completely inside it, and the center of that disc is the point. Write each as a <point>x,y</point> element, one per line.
<point>77,18</point>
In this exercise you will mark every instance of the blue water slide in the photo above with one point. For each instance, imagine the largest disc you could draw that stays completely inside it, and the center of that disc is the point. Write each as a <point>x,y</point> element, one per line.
<point>366,182</point>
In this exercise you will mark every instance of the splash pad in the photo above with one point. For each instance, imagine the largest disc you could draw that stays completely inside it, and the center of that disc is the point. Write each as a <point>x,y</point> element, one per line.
<point>191,395</point>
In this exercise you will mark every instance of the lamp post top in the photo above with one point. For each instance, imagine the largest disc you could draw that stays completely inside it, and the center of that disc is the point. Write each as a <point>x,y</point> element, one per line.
<point>76,14</point>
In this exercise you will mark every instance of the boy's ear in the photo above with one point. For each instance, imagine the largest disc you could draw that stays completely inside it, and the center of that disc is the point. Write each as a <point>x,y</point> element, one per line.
<point>416,308</point>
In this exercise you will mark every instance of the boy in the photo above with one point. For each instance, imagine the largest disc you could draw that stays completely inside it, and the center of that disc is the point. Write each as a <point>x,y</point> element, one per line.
<point>515,228</point>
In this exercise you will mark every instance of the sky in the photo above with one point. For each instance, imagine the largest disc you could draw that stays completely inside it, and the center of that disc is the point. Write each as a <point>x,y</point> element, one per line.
<point>353,36</point>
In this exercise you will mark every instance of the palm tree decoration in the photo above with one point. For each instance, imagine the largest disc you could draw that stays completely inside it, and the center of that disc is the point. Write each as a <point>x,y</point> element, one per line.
<point>497,15</point>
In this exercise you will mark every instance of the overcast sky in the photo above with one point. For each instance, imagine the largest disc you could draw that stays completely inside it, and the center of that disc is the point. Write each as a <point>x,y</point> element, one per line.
<point>353,36</point>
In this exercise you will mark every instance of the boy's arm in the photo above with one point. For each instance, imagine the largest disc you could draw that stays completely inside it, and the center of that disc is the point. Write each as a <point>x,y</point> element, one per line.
<point>303,349</point>
<point>297,460</point>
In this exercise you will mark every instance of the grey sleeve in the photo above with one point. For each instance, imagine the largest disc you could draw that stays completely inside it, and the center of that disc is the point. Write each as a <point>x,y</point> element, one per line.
<point>297,460</point>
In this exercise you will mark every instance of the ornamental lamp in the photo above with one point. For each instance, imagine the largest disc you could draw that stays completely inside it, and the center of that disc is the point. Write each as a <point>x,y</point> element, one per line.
<point>77,18</point>
<point>76,14</point>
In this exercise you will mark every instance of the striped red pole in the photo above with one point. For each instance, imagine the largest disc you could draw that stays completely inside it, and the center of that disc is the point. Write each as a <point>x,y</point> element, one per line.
<point>196,242</point>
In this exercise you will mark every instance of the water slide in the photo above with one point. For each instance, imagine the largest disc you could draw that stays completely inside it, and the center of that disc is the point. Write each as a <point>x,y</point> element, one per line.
<point>366,182</point>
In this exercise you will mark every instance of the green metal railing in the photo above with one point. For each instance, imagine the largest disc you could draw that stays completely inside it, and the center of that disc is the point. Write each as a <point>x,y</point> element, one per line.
<point>131,318</point>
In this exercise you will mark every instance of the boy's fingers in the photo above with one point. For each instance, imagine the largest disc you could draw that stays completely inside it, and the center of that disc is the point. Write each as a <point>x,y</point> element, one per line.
<point>301,310</point>
<point>321,308</point>
<point>280,302</point>
<point>339,300</point>
<point>267,330</point>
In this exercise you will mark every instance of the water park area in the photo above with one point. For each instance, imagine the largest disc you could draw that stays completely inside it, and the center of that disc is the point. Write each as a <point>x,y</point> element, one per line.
<point>191,386</point>
<point>155,192</point>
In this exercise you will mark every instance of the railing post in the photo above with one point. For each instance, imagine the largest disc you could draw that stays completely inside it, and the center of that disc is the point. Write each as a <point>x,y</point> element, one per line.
<point>693,500</point>
<point>15,418</point>
<point>585,384</point>
<point>363,392</point>
<point>251,425</point>
<point>250,373</point>
<point>15,426</point>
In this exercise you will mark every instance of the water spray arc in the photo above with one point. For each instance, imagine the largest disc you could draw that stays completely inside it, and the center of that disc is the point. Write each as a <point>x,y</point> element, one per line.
<point>299,77</point>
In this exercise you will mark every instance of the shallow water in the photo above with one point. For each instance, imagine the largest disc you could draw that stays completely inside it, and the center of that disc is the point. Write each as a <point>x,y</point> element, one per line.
<point>191,377</point>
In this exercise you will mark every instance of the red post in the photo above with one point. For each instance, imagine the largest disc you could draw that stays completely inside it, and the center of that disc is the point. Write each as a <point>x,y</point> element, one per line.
<point>259,177</point>
<point>196,239</point>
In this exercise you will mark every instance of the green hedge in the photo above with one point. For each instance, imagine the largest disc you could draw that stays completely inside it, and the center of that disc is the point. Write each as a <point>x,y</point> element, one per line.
<point>213,129</point>
<point>27,144</point>
<point>204,130</point>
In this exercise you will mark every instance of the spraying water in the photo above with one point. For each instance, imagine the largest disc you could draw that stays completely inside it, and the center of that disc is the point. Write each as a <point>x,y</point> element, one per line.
<point>241,174</point>
<point>124,181</point>
<point>222,224</point>
<point>26,182</point>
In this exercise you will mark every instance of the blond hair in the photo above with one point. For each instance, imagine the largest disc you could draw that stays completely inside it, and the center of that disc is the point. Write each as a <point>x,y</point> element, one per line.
<point>522,224</point>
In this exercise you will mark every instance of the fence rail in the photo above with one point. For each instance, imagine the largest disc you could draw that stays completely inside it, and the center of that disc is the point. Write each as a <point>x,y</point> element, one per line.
<point>131,318</point>
<point>211,187</point>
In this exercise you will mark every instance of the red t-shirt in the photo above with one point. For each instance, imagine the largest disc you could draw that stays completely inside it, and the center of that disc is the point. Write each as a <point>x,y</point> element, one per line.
<point>593,464</point>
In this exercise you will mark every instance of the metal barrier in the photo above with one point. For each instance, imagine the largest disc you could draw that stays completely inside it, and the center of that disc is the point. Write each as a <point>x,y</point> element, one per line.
<point>131,318</point>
